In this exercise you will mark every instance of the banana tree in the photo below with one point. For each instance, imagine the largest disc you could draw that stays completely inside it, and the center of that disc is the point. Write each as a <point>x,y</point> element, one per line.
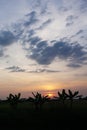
<point>38,100</point>
<point>72,95</point>
<point>62,97</point>
<point>14,100</point>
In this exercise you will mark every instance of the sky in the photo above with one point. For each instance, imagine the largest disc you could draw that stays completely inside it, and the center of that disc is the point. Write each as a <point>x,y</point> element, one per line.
<point>43,46</point>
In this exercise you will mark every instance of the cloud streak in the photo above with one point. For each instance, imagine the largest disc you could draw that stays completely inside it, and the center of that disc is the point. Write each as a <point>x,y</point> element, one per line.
<point>15,69</point>
<point>40,70</point>
<point>43,71</point>
<point>32,19</point>
<point>45,24</point>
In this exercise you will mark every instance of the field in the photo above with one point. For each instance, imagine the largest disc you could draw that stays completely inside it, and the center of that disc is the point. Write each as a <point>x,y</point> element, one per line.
<point>53,115</point>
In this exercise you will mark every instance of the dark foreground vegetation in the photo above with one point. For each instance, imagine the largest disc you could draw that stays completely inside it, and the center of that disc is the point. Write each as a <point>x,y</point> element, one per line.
<point>68,111</point>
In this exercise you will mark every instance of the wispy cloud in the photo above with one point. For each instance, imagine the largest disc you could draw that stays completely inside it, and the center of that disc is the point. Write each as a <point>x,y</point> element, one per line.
<point>79,32</point>
<point>43,71</point>
<point>45,24</point>
<point>39,70</point>
<point>70,20</point>
<point>15,69</point>
<point>32,19</point>
<point>74,65</point>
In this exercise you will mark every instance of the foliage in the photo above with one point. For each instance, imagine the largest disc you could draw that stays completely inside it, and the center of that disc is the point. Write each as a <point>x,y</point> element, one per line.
<point>14,99</point>
<point>38,100</point>
<point>62,96</point>
<point>72,95</point>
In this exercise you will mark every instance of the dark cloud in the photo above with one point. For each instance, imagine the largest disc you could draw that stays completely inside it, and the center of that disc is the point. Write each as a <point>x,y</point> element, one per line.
<point>18,33</point>
<point>72,52</point>
<point>72,65</point>
<point>30,42</point>
<point>31,32</point>
<point>32,19</point>
<point>69,23</point>
<point>45,24</point>
<point>70,20</point>
<point>42,45</point>
<point>15,69</point>
<point>79,32</point>
<point>71,17</point>
<point>34,40</point>
<point>1,52</point>
<point>43,70</point>
<point>6,38</point>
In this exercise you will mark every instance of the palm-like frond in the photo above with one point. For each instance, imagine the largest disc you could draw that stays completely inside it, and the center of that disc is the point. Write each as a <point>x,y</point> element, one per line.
<point>13,99</point>
<point>72,95</point>
<point>38,99</point>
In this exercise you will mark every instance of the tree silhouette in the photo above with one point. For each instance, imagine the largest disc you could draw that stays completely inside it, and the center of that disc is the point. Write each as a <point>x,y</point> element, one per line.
<point>62,96</point>
<point>14,100</point>
<point>38,100</point>
<point>72,95</point>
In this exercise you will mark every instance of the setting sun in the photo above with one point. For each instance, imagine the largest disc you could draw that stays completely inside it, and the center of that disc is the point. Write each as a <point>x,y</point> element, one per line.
<point>50,94</point>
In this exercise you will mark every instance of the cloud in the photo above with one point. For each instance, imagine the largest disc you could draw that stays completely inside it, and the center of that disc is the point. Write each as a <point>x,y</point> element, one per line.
<point>71,17</point>
<point>32,19</point>
<point>45,24</point>
<point>69,23</point>
<point>15,69</point>
<point>1,52</point>
<point>70,20</point>
<point>43,70</point>
<point>34,34</point>
<point>31,32</point>
<point>34,40</point>
<point>72,52</point>
<point>42,45</point>
<point>79,32</point>
<point>6,38</point>
<point>40,70</point>
<point>74,65</point>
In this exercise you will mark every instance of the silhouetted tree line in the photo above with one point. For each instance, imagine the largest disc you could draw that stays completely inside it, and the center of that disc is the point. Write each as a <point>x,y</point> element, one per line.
<point>39,100</point>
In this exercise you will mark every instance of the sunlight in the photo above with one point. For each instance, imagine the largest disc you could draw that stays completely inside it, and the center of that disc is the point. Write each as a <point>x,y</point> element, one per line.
<point>49,87</point>
<point>50,95</point>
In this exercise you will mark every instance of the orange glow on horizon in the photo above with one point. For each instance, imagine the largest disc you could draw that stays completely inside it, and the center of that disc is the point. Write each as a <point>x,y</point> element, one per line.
<point>50,95</point>
<point>49,87</point>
